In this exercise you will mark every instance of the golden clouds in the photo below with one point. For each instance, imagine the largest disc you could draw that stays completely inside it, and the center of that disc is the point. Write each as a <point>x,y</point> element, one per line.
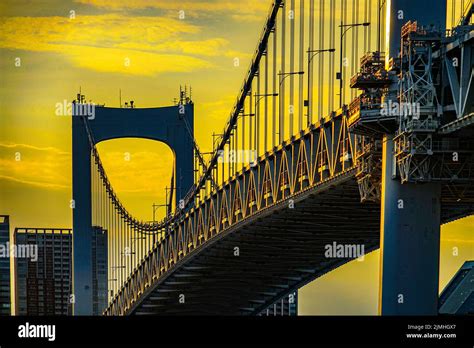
<point>45,167</point>
<point>137,165</point>
<point>207,47</point>
<point>50,168</point>
<point>114,42</point>
<point>134,62</point>
<point>249,10</point>
<point>46,33</point>
<point>139,170</point>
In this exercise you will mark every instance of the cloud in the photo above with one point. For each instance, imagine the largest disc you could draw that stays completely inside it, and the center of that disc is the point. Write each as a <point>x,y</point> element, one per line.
<point>215,109</point>
<point>49,167</point>
<point>32,147</point>
<point>150,171</point>
<point>114,42</point>
<point>133,62</point>
<point>34,183</point>
<point>46,167</point>
<point>460,241</point>
<point>238,54</point>
<point>248,10</point>
<point>208,47</point>
<point>45,33</point>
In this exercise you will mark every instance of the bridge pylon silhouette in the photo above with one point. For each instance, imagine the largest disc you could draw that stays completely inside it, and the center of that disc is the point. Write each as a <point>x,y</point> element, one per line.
<point>170,125</point>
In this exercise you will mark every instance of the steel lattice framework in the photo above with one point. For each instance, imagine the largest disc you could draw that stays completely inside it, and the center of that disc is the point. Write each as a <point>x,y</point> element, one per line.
<point>321,157</point>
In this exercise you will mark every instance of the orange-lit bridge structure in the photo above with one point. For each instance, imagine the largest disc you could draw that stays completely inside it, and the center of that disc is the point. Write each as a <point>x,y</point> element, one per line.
<point>363,142</point>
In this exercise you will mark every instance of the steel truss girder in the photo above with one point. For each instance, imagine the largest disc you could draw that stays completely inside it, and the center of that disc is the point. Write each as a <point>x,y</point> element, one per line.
<point>458,65</point>
<point>416,85</point>
<point>369,169</point>
<point>313,160</point>
<point>423,157</point>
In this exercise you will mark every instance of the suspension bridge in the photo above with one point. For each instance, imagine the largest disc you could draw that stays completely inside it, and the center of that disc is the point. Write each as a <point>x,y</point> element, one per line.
<point>359,117</point>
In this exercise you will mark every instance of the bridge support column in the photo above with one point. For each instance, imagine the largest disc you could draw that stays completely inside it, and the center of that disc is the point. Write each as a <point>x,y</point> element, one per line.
<point>82,219</point>
<point>409,243</point>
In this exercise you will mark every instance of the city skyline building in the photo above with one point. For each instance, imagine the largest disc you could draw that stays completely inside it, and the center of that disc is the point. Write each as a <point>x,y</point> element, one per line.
<point>43,287</point>
<point>5,283</point>
<point>44,278</point>
<point>99,270</point>
<point>286,306</point>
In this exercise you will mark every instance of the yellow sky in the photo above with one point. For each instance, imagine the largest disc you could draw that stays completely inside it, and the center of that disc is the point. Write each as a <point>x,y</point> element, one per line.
<point>49,49</point>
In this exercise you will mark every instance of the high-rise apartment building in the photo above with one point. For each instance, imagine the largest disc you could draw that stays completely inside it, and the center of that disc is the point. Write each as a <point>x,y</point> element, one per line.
<point>287,306</point>
<point>43,271</point>
<point>5,284</point>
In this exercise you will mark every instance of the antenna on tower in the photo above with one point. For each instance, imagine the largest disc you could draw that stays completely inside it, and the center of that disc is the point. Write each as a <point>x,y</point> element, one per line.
<point>184,96</point>
<point>120,97</point>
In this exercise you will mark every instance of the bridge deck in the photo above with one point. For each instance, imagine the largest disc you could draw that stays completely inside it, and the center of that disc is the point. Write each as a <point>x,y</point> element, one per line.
<point>277,255</point>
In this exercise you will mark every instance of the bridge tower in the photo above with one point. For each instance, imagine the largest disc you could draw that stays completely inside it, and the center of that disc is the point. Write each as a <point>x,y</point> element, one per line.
<point>173,126</point>
<point>410,201</point>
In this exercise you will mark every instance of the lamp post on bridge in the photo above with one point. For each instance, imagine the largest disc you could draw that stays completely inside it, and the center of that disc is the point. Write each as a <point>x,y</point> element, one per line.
<point>210,153</point>
<point>259,97</point>
<point>346,28</point>
<point>311,55</point>
<point>214,137</point>
<point>155,208</point>
<point>242,115</point>
<point>283,76</point>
